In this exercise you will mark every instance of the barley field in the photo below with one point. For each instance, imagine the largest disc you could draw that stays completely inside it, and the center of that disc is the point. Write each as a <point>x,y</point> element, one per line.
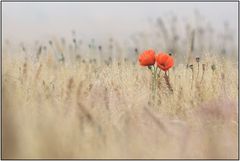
<point>69,100</point>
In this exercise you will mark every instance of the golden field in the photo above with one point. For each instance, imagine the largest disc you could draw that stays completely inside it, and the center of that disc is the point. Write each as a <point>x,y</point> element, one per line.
<point>89,108</point>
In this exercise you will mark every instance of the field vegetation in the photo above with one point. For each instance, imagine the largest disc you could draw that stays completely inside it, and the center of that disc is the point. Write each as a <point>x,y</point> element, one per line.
<point>80,99</point>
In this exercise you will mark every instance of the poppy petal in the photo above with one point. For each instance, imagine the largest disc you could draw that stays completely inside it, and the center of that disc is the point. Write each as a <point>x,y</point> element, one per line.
<point>164,61</point>
<point>147,58</point>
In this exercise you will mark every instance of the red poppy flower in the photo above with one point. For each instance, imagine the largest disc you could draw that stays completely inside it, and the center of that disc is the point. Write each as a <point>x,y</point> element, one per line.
<point>164,61</point>
<point>147,58</point>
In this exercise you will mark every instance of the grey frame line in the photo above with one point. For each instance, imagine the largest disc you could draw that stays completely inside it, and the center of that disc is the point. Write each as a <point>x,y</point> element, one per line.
<point>2,1</point>
<point>120,1</point>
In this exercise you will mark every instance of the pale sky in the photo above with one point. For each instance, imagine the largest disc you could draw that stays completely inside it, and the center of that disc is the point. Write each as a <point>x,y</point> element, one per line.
<point>38,20</point>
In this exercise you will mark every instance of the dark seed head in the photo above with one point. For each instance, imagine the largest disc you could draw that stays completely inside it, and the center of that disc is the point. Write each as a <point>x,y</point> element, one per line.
<point>191,66</point>
<point>198,59</point>
<point>74,41</point>
<point>136,50</point>
<point>213,66</point>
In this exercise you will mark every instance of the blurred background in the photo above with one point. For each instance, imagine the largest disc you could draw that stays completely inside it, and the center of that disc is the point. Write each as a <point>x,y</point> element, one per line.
<point>129,27</point>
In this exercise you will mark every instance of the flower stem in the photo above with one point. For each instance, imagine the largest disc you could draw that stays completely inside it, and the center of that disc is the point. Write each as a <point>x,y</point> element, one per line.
<point>154,81</point>
<point>166,77</point>
<point>150,67</point>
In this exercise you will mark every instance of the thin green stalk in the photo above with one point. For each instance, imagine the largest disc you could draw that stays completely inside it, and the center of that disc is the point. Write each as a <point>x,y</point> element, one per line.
<point>197,72</point>
<point>154,81</point>
<point>152,70</point>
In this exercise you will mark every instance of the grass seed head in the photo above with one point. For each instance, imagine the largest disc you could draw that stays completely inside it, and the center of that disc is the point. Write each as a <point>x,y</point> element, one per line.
<point>213,67</point>
<point>197,59</point>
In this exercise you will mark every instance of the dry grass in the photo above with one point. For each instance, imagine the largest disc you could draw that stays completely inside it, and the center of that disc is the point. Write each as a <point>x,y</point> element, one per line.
<point>94,110</point>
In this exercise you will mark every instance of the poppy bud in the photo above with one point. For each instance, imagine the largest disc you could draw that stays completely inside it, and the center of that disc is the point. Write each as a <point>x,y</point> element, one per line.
<point>198,59</point>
